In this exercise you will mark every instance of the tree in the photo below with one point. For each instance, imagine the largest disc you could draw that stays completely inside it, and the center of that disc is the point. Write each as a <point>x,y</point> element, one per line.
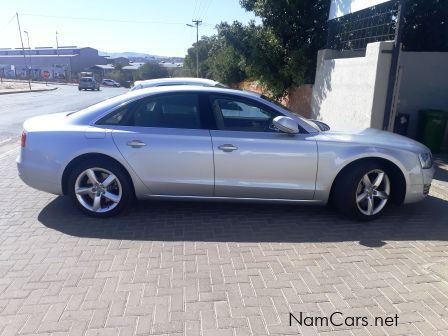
<point>151,70</point>
<point>225,64</point>
<point>261,55</point>
<point>205,45</point>
<point>119,76</point>
<point>281,53</point>
<point>292,33</point>
<point>118,66</point>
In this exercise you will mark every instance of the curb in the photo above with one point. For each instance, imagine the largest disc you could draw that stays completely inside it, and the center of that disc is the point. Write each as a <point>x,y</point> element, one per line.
<point>39,82</point>
<point>25,91</point>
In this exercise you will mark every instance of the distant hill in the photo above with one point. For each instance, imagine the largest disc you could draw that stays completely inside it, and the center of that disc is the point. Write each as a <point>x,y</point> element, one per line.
<point>135,56</point>
<point>127,54</point>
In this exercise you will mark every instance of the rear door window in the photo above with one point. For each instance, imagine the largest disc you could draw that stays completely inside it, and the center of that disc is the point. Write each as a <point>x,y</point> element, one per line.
<point>167,111</point>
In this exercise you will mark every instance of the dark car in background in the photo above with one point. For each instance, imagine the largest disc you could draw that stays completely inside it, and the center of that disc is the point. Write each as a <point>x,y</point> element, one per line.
<point>88,83</point>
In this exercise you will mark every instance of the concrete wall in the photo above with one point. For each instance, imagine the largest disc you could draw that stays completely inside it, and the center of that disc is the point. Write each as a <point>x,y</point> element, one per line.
<point>55,65</point>
<point>423,84</point>
<point>351,92</point>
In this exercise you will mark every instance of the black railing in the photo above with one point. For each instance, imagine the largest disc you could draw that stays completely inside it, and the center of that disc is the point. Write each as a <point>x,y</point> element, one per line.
<point>354,31</point>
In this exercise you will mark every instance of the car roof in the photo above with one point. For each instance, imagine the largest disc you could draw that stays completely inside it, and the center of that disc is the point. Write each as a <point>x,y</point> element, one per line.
<point>162,81</point>
<point>188,88</point>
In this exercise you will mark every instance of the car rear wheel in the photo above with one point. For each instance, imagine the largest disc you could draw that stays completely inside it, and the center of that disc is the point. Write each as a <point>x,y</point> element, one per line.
<point>363,191</point>
<point>100,189</point>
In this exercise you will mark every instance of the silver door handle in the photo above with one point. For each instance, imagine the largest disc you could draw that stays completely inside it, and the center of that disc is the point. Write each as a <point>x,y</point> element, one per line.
<point>228,148</point>
<point>136,144</point>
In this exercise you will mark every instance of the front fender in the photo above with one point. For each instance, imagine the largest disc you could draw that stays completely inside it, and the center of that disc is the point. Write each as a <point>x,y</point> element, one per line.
<point>334,157</point>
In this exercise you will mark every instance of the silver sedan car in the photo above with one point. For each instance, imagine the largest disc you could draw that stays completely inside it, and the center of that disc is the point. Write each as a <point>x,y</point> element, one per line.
<point>190,142</point>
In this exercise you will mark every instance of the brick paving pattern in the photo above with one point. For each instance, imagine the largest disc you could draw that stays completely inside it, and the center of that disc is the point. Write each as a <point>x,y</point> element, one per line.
<point>216,269</point>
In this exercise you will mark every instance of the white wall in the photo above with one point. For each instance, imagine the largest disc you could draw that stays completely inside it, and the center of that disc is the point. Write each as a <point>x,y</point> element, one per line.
<point>343,7</point>
<point>351,92</point>
<point>423,84</point>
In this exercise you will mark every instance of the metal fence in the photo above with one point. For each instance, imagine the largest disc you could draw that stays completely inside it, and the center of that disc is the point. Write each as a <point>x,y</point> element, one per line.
<point>354,31</point>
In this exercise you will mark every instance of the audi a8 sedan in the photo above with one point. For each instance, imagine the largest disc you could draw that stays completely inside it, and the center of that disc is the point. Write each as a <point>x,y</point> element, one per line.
<point>201,143</point>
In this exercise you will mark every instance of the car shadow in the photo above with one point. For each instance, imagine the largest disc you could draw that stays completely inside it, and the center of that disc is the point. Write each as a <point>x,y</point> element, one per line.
<point>238,222</point>
<point>441,163</point>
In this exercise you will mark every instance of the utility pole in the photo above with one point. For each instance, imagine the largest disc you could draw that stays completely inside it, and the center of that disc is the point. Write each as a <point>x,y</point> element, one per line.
<point>57,44</point>
<point>196,23</point>
<point>394,65</point>
<point>29,49</point>
<point>23,49</point>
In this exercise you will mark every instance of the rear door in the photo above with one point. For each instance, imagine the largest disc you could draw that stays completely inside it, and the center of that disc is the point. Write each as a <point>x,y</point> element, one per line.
<point>166,142</point>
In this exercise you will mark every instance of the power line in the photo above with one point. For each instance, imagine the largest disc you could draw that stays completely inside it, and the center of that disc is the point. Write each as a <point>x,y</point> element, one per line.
<point>204,8</point>
<point>102,19</point>
<point>9,22</point>
<point>207,8</point>
<point>198,14</point>
<point>195,8</point>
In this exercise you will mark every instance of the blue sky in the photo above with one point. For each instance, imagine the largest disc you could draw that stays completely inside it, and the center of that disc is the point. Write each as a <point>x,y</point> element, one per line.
<point>150,26</point>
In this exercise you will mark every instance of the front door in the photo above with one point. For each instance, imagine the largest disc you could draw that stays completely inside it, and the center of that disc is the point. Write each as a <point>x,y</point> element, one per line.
<point>164,140</point>
<point>253,160</point>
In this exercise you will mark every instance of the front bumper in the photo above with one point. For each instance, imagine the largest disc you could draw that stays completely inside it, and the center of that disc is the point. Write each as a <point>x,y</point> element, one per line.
<point>418,192</point>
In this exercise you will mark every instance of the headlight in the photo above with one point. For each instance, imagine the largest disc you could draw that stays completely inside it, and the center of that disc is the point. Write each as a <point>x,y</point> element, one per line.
<point>425,160</point>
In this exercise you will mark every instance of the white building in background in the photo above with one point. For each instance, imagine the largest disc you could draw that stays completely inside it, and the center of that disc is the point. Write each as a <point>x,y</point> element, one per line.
<point>56,63</point>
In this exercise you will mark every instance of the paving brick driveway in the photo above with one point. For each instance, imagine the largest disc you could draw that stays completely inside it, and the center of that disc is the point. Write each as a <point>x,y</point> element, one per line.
<point>216,269</point>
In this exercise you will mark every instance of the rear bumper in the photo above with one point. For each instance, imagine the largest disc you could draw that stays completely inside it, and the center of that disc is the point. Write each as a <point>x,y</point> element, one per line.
<point>37,177</point>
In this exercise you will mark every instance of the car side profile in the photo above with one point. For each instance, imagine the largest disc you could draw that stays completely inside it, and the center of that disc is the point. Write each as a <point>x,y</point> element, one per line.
<point>190,142</point>
<point>88,83</point>
<point>110,82</point>
<point>175,81</point>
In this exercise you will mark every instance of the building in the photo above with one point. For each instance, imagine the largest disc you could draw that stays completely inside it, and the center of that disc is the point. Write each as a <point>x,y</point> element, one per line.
<point>130,69</point>
<point>46,62</point>
<point>104,70</point>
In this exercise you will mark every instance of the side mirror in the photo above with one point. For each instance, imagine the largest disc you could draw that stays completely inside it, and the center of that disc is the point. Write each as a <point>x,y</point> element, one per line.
<point>286,125</point>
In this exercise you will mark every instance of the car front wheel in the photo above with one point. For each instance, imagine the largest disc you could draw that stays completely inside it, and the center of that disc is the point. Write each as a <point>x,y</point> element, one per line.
<point>100,189</point>
<point>363,192</point>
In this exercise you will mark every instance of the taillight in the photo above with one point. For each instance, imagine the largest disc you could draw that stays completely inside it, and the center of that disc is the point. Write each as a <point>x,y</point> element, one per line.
<point>23,140</point>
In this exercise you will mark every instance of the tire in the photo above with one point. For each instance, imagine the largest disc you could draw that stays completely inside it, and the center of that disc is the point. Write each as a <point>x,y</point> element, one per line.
<point>359,198</point>
<point>109,200</point>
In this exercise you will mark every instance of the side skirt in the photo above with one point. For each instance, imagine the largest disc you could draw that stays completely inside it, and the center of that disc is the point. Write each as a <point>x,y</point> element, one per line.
<point>229,199</point>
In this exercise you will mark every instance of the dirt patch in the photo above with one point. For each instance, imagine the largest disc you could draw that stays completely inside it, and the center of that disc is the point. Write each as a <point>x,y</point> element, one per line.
<point>21,86</point>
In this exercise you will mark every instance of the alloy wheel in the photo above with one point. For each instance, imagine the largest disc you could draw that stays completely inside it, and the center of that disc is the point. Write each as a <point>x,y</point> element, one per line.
<point>373,192</point>
<point>98,190</point>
